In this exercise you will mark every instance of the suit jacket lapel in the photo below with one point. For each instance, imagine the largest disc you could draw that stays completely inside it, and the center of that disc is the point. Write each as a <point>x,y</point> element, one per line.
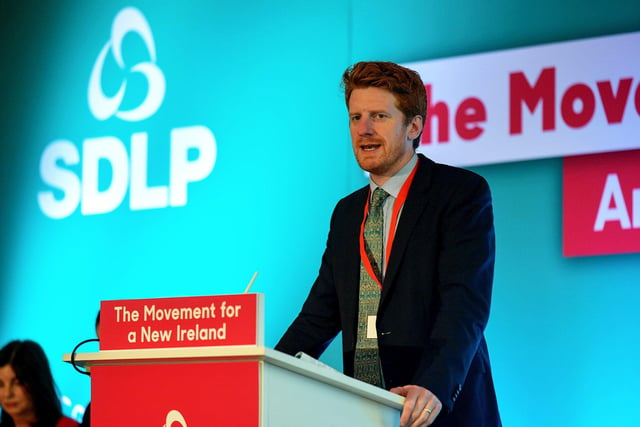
<point>351,252</point>
<point>413,208</point>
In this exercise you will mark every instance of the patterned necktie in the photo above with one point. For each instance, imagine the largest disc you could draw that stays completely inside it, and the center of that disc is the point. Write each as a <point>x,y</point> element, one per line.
<point>367,361</point>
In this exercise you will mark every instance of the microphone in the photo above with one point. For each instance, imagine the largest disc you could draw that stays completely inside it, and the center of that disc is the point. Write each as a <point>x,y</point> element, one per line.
<point>75,350</point>
<point>253,279</point>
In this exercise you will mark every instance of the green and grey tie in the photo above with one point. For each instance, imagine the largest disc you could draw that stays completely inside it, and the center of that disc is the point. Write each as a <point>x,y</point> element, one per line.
<point>367,361</point>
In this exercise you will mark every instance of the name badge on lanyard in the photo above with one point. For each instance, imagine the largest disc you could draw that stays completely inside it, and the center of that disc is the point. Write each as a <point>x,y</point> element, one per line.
<point>371,327</point>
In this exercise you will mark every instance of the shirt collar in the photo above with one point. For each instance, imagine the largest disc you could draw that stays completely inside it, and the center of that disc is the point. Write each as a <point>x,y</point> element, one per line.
<point>394,184</point>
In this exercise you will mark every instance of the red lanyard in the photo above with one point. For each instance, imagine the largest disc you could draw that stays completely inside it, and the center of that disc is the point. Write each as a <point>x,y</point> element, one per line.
<point>402,196</point>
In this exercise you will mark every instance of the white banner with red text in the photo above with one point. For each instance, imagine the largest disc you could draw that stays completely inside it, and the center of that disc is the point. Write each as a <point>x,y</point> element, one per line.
<point>554,100</point>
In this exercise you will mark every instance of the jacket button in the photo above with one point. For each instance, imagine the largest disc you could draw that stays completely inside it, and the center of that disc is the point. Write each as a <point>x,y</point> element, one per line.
<point>456,392</point>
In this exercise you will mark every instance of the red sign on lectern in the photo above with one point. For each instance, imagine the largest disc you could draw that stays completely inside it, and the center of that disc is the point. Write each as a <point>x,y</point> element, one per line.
<point>176,395</point>
<point>201,321</point>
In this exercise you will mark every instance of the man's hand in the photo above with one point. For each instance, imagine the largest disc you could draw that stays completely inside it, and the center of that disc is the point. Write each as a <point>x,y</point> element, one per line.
<point>421,407</point>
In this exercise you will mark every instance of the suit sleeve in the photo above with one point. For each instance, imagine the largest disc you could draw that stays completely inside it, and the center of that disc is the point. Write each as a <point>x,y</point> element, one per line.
<point>318,322</point>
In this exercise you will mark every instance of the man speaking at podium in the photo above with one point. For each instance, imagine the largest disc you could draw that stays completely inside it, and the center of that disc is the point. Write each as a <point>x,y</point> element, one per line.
<point>407,272</point>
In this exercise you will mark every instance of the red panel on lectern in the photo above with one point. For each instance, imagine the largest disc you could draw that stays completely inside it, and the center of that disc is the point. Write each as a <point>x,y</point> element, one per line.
<point>176,395</point>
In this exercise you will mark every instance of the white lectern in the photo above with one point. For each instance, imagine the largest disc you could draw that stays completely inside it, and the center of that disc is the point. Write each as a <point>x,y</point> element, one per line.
<point>229,386</point>
<point>201,361</point>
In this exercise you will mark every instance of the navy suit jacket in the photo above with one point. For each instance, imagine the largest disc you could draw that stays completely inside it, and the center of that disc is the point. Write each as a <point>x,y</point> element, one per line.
<point>435,298</point>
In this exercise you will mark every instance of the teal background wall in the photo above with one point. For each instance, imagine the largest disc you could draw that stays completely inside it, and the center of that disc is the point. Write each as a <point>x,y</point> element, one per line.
<point>264,78</point>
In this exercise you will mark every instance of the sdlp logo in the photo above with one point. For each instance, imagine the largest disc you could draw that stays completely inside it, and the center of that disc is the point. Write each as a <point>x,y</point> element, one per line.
<point>129,171</point>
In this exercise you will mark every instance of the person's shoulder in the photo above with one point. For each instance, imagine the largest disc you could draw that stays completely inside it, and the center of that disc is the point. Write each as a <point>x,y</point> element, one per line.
<point>67,422</point>
<point>351,205</point>
<point>354,199</point>
<point>454,175</point>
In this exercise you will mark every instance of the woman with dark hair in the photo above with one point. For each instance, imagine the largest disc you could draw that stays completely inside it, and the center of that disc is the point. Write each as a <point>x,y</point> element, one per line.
<point>27,391</point>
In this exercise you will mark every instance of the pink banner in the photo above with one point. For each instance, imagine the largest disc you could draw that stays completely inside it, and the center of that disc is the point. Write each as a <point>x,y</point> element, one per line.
<point>601,204</point>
